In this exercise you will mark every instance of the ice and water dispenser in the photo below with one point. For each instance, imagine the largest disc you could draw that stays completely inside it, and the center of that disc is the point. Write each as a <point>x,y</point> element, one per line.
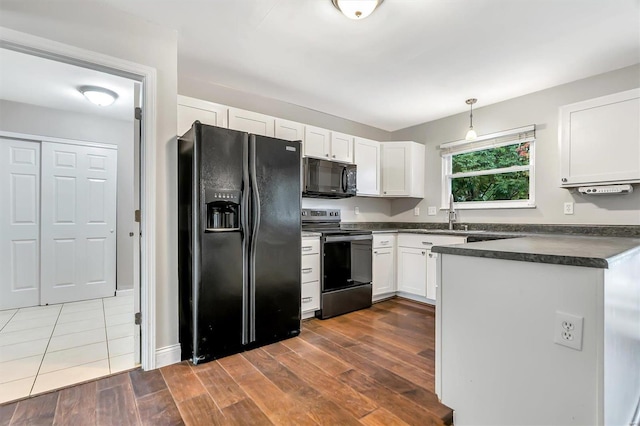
<point>223,210</point>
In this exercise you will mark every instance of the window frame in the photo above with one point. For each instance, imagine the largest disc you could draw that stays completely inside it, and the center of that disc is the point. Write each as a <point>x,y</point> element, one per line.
<point>447,176</point>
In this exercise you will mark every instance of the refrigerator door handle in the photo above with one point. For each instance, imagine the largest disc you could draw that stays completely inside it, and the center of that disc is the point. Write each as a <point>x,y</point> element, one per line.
<point>244,225</point>
<point>255,228</point>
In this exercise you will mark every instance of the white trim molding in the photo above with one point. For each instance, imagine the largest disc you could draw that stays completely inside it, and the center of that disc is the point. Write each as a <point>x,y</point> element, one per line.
<point>38,46</point>
<point>168,355</point>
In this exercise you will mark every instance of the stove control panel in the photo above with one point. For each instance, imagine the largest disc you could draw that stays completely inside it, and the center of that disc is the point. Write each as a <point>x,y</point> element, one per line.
<point>320,215</point>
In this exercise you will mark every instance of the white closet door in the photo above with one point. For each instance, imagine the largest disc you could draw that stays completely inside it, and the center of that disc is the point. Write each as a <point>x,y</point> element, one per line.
<point>19,223</point>
<point>78,222</point>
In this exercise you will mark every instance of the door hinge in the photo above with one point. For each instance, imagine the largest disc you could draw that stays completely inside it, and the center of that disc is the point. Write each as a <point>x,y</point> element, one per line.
<point>137,215</point>
<point>138,113</point>
<point>138,318</point>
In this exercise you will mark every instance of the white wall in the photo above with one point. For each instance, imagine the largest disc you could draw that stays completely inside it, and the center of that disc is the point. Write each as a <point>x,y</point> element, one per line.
<point>98,27</point>
<point>206,90</point>
<point>36,120</point>
<point>541,109</point>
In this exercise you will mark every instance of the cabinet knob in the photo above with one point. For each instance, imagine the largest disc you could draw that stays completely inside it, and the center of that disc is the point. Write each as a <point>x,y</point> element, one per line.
<point>375,252</point>
<point>423,253</point>
<point>430,255</point>
<point>334,156</point>
<point>327,155</point>
<point>385,192</point>
<point>564,179</point>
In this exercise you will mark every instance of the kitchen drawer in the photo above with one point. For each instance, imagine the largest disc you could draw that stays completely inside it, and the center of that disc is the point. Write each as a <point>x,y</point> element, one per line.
<point>311,296</point>
<point>426,241</point>
<point>384,240</point>
<point>310,268</point>
<point>310,246</point>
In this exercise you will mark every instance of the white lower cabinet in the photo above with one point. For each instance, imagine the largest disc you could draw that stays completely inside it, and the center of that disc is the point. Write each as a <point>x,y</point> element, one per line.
<point>384,266</point>
<point>310,276</point>
<point>412,271</point>
<point>417,264</point>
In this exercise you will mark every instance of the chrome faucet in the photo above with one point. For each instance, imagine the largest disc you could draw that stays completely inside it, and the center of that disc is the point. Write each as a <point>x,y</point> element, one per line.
<point>452,212</point>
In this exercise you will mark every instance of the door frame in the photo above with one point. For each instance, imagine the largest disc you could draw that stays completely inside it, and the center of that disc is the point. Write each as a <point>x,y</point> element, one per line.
<point>38,46</point>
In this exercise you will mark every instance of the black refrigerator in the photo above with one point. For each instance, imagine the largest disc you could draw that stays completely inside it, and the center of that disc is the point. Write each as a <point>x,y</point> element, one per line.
<point>239,241</point>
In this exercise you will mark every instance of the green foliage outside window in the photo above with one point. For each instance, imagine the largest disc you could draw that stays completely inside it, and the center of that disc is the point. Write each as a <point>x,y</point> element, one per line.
<point>491,187</point>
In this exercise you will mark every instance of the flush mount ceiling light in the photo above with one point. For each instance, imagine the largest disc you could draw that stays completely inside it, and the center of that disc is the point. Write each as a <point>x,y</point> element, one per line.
<point>356,9</point>
<point>99,95</point>
<point>471,134</point>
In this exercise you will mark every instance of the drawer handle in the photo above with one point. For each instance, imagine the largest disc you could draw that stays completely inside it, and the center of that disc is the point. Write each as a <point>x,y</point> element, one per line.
<point>427,243</point>
<point>307,299</point>
<point>307,248</point>
<point>307,270</point>
<point>384,242</point>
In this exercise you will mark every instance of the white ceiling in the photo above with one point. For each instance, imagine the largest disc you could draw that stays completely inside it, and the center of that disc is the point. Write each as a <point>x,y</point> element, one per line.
<point>47,83</point>
<point>411,61</point>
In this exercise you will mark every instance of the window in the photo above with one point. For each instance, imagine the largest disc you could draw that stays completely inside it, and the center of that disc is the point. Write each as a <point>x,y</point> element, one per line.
<point>494,171</point>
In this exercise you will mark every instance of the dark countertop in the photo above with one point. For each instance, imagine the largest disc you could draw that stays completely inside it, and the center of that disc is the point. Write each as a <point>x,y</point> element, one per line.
<point>592,252</point>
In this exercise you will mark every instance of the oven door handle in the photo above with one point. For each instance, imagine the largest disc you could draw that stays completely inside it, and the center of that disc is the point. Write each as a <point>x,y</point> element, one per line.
<point>329,239</point>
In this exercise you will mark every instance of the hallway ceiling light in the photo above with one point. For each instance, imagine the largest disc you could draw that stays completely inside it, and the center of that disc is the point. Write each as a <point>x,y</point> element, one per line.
<point>356,9</point>
<point>471,134</point>
<point>99,95</point>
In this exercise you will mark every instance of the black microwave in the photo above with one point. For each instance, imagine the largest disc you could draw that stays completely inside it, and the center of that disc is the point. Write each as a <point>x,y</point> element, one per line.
<point>328,179</point>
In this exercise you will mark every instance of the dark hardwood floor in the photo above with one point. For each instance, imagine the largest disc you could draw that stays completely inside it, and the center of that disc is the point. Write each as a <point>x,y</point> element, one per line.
<point>371,367</point>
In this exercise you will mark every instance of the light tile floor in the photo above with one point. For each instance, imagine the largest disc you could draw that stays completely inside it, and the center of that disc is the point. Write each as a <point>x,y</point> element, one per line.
<point>49,347</point>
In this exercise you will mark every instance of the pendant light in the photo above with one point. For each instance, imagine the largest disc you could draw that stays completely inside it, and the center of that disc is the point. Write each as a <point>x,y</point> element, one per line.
<point>356,9</point>
<point>99,95</point>
<point>471,134</point>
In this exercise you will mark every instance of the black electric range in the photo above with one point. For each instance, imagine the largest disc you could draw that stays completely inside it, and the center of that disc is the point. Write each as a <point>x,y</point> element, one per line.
<point>346,264</point>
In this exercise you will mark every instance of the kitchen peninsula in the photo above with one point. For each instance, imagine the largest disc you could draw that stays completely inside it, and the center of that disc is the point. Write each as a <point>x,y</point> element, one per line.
<point>556,318</point>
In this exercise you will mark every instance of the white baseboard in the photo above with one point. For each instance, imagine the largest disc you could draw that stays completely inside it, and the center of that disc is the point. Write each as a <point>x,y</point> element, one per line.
<point>416,298</point>
<point>125,292</point>
<point>167,355</point>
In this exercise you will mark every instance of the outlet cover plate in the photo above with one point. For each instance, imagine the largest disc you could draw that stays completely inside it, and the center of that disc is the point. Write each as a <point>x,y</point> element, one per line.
<point>568,208</point>
<point>568,330</point>
<point>432,211</point>
<point>356,210</point>
<point>416,211</point>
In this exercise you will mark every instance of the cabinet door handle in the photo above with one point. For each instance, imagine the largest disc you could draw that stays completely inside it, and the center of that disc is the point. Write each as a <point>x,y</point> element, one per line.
<point>427,243</point>
<point>307,270</point>
<point>306,248</point>
<point>307,299</point>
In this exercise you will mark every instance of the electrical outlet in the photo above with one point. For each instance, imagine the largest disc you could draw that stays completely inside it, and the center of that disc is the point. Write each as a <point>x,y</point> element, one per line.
<point>432,211</point>
<point>568,330</point>
<point>568,208</point>
<point>356,210</point>
<point>416,211</point>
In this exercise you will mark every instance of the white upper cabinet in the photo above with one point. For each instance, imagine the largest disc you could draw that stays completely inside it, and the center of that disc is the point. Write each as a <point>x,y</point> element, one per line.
<point>403,169</point>
<point>323,143</point>
<point>317,142</point>
<point>600,140</point>
<point>341,147</point>
<point>289,130</point>
<point>191,109</point>
<point>251,122</point>
<point>367,158</point>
